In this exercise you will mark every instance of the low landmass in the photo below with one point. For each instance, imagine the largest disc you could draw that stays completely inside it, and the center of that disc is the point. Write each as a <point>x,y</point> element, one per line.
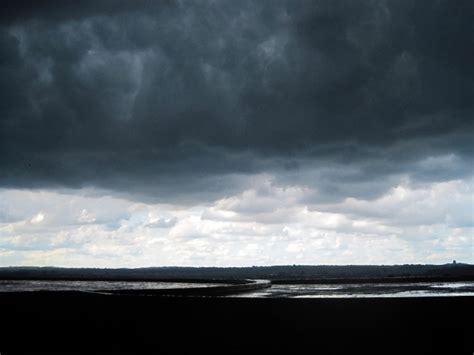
<point>277,274</point>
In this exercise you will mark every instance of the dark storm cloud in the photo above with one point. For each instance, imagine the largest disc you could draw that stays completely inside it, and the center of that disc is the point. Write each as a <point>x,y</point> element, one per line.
<point>180,97</point>
<point>54,10</point>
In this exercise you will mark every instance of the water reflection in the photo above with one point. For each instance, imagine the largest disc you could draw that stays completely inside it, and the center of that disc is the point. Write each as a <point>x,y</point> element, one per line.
<point>49,285</point>
<point>365,290</point>
<point>275,291</point>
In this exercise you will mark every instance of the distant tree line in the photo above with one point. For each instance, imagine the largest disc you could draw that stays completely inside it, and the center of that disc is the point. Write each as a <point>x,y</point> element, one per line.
<point>289,273</point>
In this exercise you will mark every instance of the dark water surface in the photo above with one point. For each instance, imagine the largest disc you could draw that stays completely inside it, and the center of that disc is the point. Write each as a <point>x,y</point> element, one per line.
<point>284,319</point>
<point>425,289</point>
<point>434,289</point>
<point>54,285</point>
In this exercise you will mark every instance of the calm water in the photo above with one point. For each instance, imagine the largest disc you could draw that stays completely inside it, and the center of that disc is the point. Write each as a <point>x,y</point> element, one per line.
<point>366,290</point>
<point>48,285</point>
<point>283,291</point>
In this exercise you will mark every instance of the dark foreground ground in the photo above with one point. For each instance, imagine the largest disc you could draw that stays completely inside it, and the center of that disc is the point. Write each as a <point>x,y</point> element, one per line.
<point>87,323</point>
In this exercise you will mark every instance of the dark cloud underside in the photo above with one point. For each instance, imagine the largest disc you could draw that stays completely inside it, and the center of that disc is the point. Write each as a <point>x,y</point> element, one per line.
<point>180,96</point>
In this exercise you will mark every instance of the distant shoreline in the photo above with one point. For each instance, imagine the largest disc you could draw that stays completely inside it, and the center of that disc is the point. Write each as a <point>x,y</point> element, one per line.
<point>283,274</point>
<point>414,279</point>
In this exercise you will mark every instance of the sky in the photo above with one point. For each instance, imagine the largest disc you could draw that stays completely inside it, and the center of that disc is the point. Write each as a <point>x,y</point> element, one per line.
<point>236,133</point>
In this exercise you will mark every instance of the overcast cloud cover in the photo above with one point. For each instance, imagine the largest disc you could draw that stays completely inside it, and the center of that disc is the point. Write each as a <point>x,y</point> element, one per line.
<point>137,133</point>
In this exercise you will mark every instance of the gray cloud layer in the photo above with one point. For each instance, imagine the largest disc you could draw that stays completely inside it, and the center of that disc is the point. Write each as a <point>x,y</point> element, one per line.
<point>182,98</point>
